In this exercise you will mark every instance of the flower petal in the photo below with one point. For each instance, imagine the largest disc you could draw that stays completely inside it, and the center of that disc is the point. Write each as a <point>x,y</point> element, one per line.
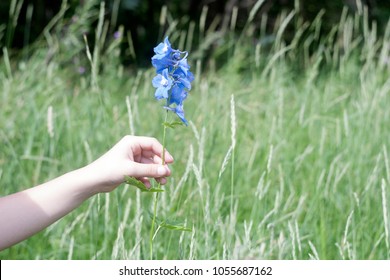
<point>157,81</point>
<point>178,110</point>
<point>178,95</point>
<point>161,93</point>
<point>163,48</point>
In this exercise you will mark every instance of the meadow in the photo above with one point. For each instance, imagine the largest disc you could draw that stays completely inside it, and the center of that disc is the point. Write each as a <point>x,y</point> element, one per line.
<point>286,155</point>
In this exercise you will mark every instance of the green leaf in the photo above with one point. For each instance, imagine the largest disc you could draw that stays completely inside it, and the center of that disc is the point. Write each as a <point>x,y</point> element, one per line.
<point>174,226</point>
<point>173,124</point>
<point>138,184</point>
<point>171,224</point>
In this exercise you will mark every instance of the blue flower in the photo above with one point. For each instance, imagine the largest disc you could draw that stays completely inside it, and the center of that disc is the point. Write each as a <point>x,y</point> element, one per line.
<point>163,56</point>
<point>163,83</point>
<point>173,80</point>
<point>163,49</point>
<point>184,83</point>
<point>178,110</point>
<point>178,94</point>
<point>161,63</point>
<point>183,67</point>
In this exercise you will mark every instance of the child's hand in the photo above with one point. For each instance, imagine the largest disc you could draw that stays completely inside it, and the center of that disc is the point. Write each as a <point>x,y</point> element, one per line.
<point>139,157</point>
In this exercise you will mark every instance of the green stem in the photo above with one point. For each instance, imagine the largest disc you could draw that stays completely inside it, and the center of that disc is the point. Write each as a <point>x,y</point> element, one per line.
<point>152,234</point>
<point>232,184</point>
<point>152,227</point>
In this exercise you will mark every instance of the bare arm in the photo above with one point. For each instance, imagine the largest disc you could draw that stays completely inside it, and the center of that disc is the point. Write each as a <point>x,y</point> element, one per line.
<point>27,212</point>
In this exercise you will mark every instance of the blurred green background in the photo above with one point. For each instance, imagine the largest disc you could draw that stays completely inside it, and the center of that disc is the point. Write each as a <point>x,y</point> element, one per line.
<point>23,21</point>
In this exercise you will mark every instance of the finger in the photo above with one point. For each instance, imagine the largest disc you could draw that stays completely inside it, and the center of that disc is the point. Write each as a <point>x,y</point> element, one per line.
<point>151,144</point>
<point>148,157</point>
<point>139,170</point>
<point>151,154</point>
<point>162,180</point>
<point>168,157</point>
<point>145,181</point>
<point>154,159</point>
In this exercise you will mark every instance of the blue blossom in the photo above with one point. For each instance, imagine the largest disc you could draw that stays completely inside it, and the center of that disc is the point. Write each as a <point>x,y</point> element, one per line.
<point>183,67</point>
<point>163,49</point>
<point>173,80</point>
<point>161,63</point>
<point>178,110</point>
<point>163,83</point>
<point>178,95</point>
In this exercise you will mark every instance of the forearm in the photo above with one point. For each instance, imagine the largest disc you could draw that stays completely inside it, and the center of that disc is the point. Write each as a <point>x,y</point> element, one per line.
<point>28,212</point>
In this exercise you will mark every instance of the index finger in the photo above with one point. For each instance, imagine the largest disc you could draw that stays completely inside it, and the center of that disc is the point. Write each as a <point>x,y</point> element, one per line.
<point>153,145</point>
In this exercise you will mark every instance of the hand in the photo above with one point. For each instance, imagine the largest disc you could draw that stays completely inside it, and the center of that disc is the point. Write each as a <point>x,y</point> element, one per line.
<point>139,157</point>
<point>27,212</point>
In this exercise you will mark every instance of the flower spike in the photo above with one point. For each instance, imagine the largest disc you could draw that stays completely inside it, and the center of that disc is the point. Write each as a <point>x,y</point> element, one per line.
<point>174,78</point>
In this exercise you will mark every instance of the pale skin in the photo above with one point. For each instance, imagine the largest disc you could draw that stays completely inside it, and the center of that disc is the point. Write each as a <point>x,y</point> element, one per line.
<point>25,213</point>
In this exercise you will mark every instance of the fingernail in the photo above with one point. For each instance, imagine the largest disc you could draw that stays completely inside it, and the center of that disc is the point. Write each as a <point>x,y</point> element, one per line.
<point>161,170</point>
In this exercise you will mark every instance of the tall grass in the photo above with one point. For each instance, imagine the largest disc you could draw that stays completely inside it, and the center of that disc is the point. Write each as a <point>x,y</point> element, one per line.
<point>286,156</point>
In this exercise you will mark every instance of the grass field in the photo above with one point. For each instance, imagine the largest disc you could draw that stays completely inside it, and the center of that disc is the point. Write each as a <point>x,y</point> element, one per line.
<point>286,155</point>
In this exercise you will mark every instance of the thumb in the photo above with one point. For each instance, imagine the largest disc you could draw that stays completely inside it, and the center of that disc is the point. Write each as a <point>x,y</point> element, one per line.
<point>149,170</point>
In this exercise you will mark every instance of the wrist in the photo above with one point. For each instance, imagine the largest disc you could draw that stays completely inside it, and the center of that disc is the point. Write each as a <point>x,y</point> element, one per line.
<point>84,183</point>
<point>97,179</point>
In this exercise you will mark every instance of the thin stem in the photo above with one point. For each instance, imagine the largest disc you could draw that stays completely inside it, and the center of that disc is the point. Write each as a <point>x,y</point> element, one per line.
<point>152,233</point>
<point>232,184</point>
<point>153,224</point>
<point>163,140</point>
